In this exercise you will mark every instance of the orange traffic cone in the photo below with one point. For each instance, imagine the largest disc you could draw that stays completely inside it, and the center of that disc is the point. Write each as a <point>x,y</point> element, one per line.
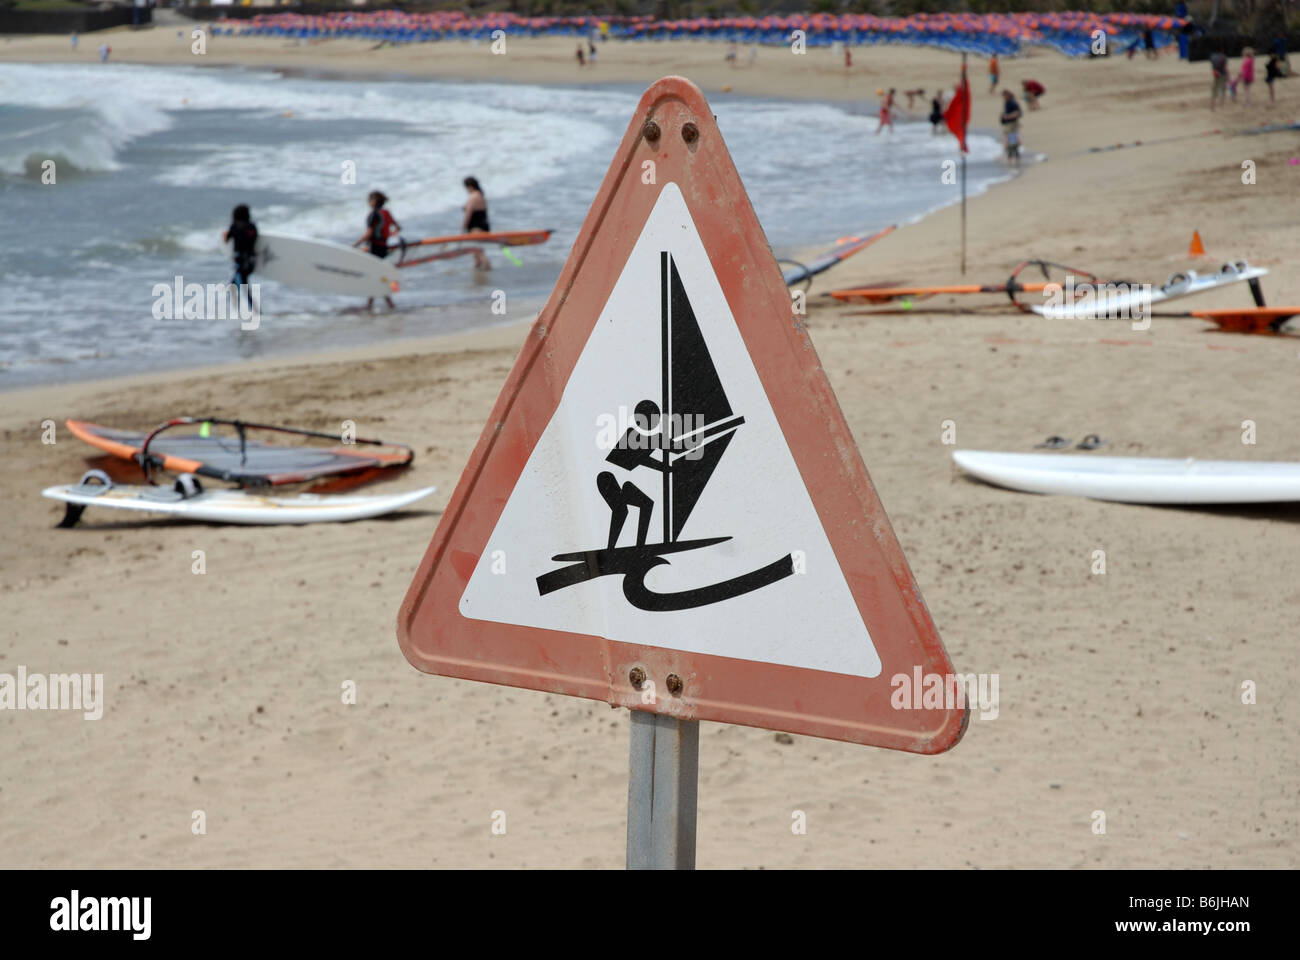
<point>1197,249</point>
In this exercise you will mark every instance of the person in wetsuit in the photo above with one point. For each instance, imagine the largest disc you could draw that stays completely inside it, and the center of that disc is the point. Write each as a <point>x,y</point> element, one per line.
<point>380,225</point>
<point>476,218</point>
<point>242,233</point>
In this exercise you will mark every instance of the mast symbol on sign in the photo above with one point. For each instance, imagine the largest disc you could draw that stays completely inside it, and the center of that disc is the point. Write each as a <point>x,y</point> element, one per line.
<point>690,430</point>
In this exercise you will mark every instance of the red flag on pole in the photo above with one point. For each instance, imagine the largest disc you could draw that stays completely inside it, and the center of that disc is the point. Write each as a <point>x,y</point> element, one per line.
<point>957,115</point>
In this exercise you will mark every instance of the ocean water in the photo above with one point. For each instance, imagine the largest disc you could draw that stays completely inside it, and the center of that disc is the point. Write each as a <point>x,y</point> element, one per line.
<point>149,161</point>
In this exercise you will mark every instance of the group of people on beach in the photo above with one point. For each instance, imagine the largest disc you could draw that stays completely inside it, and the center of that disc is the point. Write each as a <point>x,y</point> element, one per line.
<point>1009,118</point>
<point>381,228</point>
<point>733,55</point>
<point>587,56</point>
<point>1224,84</point>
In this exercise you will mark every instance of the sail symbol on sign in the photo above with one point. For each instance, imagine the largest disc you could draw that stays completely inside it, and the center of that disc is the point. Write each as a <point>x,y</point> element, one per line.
<point>691,428</point>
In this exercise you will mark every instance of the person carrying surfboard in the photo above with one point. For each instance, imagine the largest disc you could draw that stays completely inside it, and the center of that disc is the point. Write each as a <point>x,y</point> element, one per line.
<point>242,234</point>
<point>380,226</point>
<point>476,218</point>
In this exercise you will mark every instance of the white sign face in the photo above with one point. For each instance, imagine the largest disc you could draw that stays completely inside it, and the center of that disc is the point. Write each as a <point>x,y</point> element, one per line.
<point>719,553</point>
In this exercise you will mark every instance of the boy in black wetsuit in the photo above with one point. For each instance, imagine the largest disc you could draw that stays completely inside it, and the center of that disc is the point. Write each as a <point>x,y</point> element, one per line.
<point>242,234</point>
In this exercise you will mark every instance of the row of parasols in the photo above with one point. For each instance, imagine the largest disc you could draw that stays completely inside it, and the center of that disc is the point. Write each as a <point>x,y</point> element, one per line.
<point>1071,33</point>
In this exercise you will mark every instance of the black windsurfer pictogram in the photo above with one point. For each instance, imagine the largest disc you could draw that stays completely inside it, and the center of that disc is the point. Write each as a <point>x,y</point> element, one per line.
<point>683,438</point>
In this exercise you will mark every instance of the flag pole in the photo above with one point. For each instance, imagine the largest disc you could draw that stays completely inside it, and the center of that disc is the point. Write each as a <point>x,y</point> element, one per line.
<point>963,182</point>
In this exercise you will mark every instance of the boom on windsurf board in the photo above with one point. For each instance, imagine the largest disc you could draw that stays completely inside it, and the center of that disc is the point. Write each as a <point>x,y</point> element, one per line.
<point>1012,286</point>
<point>236,459</point>
<point>188,500</point>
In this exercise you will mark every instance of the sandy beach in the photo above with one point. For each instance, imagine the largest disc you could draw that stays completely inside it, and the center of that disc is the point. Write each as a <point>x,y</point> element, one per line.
<point>1119,692</point>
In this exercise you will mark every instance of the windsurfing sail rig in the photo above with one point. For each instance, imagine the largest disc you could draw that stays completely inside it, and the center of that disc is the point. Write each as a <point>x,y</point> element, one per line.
<point>846,248</point>
<point>236,459</point>
<point>475,241</point>
<point>1011,286</point>
<point>1082,296</point>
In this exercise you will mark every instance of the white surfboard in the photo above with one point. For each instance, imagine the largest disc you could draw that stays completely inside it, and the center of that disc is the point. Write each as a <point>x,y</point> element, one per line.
<point>234,506</point>
<point>323,266</point>
<point>1136,479</point>
<point>1083,302</point>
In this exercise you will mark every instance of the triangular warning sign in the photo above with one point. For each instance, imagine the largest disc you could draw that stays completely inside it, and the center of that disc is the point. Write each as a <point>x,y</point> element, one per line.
<point>666,510</point>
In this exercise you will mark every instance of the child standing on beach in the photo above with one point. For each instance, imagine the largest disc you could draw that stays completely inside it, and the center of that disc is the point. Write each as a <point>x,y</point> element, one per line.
<point>886,111</point>
<point>1247,75</point>
<point>1272,70</point>
<point>993,73</point>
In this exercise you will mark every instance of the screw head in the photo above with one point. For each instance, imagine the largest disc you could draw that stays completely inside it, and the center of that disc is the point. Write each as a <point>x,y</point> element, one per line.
<point>637,677</point>
<point>650,130</point>
<point>674,684</point>
<point>690,132</point>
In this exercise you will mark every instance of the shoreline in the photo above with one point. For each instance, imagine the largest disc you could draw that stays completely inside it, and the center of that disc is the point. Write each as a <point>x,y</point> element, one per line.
<point>424,344</point>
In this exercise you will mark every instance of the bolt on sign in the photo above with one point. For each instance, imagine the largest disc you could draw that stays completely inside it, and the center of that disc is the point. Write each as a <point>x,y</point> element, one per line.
<point>666,510</point>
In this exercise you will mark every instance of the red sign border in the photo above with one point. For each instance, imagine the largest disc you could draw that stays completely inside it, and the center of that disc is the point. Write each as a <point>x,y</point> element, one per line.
<point>436,638</point>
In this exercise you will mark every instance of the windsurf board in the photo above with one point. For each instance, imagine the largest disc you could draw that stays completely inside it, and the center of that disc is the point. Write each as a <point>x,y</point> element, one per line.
<point>1136,479</point>
<point>230,506</point>
<point>1123,300</point>
<point>221,455</point>
<point>323,266</point>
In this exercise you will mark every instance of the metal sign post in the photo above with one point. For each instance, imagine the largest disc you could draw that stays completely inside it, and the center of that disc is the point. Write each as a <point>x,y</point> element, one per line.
<point>663,781</point>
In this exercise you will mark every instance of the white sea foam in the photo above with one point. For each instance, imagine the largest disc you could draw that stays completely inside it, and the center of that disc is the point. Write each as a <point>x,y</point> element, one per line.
<point>169,150</point>
<point>84,120</point>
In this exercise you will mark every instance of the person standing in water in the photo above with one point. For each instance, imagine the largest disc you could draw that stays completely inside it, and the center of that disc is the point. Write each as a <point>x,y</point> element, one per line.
<point>1010,118</point>
<point>886,111</point>
<point>476,218</point>
<point>380,225</point>
<point>242,234</point>
<point>936,113</point>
